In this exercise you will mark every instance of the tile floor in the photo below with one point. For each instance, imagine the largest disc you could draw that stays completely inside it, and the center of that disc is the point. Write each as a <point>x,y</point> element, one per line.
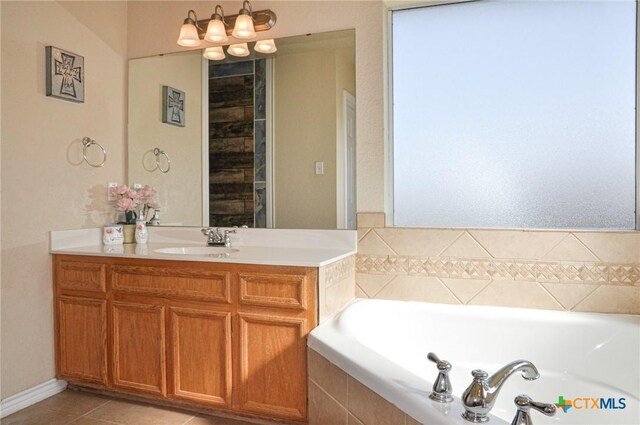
<point>81,408</point>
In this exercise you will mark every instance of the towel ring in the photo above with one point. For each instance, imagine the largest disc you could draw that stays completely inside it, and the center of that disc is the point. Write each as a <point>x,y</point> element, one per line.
<point>157,152</point>
<point>86,143</point>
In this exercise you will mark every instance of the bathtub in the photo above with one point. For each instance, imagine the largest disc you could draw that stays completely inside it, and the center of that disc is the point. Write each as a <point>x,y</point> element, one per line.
<point>384,345</point>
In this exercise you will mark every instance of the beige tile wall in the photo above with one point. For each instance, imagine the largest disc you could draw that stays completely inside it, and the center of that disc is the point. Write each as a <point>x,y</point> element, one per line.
<point>555,270</point>
<point>336,286</point>
<point>336,398</point>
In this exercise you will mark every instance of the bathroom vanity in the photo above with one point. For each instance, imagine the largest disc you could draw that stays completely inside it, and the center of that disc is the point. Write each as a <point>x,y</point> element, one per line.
<point>201,331</point>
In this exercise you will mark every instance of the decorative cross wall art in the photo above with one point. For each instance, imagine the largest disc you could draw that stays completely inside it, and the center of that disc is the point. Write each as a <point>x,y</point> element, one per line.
<point>65,74</point>
<point>173,106</point>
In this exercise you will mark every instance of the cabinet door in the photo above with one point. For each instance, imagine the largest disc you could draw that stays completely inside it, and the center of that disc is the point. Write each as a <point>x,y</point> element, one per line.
<point>272,372</point>
<point>82,339</point>
<point>138,332</point>
<point>201,356</point>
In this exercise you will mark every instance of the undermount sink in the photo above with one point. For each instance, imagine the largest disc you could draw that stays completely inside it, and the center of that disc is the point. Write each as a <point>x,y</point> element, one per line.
<point>198,250</point>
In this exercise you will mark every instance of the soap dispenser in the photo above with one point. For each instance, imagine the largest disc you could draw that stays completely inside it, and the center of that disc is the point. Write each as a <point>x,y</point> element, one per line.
<point>142,236</point>
<point>155,220</point>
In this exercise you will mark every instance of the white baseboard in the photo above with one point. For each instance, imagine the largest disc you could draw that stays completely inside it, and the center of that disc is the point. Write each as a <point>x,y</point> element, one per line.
<point>31,396</point>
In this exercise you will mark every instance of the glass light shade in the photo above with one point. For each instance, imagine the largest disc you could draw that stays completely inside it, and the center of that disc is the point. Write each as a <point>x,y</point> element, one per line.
<point>214,53</point>
<point>189,36</point>
<point>244,28</point>
<point>216,32</point>
<point>239,50</point>
<point>265,46</point>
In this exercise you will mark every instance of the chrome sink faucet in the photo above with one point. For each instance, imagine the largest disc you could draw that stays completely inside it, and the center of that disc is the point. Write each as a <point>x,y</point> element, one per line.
<point>216,237</point>
<point>479,398</point>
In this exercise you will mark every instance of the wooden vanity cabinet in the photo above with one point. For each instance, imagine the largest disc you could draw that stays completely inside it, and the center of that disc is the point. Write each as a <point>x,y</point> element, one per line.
<point>81,321</point>
<point>216,335</point>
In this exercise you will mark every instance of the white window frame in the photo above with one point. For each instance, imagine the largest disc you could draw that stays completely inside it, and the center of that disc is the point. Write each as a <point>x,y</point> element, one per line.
<point>388,116</point>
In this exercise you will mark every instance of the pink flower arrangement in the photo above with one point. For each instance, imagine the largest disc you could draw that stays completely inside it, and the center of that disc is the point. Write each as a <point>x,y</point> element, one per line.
<point>129,200</point>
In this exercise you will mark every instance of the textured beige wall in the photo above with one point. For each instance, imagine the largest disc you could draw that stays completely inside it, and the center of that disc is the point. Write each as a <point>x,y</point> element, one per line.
<point>43,188</point>
<point>154,27</point>
<point>179,190</point>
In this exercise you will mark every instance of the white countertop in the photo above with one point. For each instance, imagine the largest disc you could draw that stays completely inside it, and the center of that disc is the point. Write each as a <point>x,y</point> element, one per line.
<point>308,248</point>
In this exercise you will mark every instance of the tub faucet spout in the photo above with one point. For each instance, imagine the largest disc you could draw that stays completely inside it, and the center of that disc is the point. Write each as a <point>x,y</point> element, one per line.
<point>479,398</point>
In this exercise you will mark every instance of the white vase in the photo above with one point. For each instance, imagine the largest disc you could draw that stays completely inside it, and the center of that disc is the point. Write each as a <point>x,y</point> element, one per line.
<point>142,236</point>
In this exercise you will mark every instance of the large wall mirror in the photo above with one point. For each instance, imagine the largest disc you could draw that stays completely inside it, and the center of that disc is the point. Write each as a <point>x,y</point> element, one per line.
<point>264,141</point>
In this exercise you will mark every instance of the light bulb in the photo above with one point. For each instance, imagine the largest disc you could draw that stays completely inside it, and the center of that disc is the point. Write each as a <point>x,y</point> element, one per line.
<point>214,53</point>
<point>216,32</point>
<point>239,50</point>
<point>265,46</point>
<point>244,26</point>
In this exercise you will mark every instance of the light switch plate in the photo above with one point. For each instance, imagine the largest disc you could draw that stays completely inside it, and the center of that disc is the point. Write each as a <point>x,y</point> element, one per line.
<point>319,168</point>
<point>110,195</point>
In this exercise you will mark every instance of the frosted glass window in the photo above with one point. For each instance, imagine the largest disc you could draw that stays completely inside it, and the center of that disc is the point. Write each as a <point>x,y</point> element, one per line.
<point>515,115</point>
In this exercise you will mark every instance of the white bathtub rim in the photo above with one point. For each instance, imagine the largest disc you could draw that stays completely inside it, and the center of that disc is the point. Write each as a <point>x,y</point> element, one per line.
<point>379,374</point>
<point>383,377</point>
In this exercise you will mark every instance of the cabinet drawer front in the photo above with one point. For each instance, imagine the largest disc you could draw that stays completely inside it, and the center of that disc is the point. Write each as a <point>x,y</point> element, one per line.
<point>274,290</point>
<point>201,356</point>
<point>82,339</point>
<point>181,282</point>
<point>81,276</point>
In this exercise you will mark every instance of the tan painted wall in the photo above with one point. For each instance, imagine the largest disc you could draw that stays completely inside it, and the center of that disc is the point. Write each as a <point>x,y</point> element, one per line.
<point>308,108</point>
<point>42,187</point>
<point>305,81</point>
<point>179,190</point>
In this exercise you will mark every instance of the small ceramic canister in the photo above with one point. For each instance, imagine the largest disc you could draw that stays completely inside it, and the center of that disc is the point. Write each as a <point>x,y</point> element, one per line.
<point>113,235</point>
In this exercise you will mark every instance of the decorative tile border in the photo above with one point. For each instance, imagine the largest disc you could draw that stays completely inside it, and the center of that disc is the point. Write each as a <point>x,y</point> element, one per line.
<point>338,271</point>
<point>497,269</point>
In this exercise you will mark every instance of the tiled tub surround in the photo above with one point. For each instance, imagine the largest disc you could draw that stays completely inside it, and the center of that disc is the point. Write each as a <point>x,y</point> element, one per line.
<point>337,398</point>
<point>556,270</point>
<point>336,287</point>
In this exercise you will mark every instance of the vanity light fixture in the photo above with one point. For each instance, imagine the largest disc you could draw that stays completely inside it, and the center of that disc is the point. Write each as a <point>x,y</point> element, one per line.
<point>243,26</point>
<point>214,53</point>
<point>216,31</point>
<point>189,31</point>
<point>265,46</point>
<point>240,50</point>
<point>243,29</point>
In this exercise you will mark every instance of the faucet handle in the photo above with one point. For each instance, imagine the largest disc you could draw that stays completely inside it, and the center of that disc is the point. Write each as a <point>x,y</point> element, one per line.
<point>442,388</point>
<point>440,364</point>
<point>479,375</point>
<point>524,404</point>
<point>206,231</point>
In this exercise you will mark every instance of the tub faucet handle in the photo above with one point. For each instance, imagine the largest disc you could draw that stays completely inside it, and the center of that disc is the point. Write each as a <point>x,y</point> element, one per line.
<point>442,388</point>
<point>524,404</point>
